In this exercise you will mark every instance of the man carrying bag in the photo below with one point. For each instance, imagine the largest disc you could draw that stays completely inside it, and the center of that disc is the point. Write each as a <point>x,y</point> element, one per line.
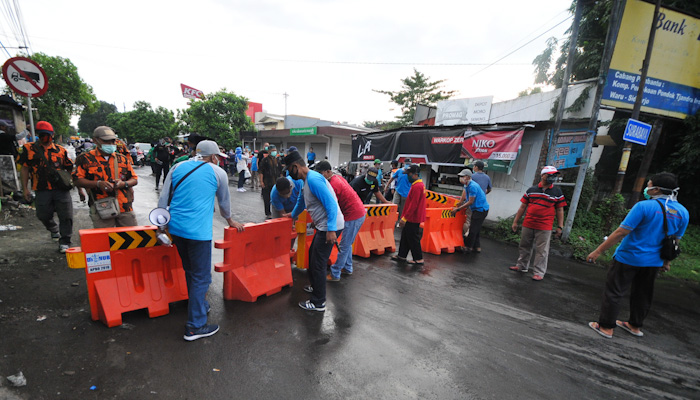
<point>641,254</point>
<point>48,165</point>
<point>109,178</point>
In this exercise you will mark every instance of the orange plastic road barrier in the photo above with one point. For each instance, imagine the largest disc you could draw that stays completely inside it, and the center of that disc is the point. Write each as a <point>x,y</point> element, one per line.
<point>126,270</point>
<point>439,200</point>
<point>441,231</point>
<point>256,261</point>
<point>305,236</point>
<point>376,236</point>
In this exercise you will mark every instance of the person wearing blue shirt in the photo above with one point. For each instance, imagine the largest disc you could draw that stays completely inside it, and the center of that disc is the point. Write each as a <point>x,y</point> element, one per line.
<point>284,196</point>
<point>403,186</point>
<point>476,201</point>
<point>318,198</point>
<point>481,178</point>
<point>638,260</point>
<point>311,156</point>
<point>254,171</point>
<point>188,192</point>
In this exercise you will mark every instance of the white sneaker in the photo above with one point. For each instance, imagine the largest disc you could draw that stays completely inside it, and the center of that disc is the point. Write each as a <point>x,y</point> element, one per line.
<point>243,190</point>
<point>239,190</point>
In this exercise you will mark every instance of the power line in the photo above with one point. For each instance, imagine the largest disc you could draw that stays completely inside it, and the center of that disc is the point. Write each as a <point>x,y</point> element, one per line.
<point>530,41</point>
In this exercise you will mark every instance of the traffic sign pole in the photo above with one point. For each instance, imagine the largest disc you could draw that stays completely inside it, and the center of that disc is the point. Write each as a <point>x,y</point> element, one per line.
<point>31,118</point>
<point>638,101</point>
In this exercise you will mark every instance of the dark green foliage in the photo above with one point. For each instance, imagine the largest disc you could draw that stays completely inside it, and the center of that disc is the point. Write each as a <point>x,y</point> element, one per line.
<point>416,89</point>
<point>66,96</point>
<point>219,115</point>
<point>91,119</point>
<point>143,123</point>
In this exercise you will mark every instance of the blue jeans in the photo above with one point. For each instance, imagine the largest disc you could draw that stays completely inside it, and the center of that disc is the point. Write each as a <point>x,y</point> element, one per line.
<point>344,260</point>
<point>196,261</point>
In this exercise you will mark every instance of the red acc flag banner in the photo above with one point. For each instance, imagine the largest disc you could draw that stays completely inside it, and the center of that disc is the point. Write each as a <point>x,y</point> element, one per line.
<point>492,145</point>
<point>190,92</point>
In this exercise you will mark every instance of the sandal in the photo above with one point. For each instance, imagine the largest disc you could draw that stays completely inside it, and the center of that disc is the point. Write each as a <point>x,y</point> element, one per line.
<point>596,327</point>
<point>414,262</point>
<point>626,326</point>
<point>397,258</point>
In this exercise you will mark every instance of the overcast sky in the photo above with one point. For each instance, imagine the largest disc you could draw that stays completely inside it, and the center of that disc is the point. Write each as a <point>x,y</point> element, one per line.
<point>327,55</point>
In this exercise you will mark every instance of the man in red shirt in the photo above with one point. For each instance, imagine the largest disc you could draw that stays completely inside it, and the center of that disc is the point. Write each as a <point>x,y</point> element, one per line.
<point>413,215</point>
<point>354,213</point>
<point>541,202</point>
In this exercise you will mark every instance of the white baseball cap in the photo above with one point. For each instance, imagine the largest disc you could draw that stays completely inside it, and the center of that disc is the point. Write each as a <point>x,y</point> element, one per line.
<point>549,170</point>
<point>208,148</point>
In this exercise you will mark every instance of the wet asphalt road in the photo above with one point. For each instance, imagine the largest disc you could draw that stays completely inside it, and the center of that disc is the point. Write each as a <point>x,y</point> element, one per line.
<point>464,327</point>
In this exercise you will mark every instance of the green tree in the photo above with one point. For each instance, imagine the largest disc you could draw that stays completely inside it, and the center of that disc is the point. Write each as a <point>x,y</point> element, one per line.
<point>383,125</point>
<point>66,96</point>
<point>530,91</point>
<point>219,115</point>
<point>143,123</point>
<point>416,89</point>
<point>91,119</point>
<point>679,142</point>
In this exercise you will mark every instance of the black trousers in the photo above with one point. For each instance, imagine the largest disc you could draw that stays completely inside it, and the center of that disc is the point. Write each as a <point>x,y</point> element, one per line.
<point>266,198</point>
<point>474,238</point>
<point>161,169</point>
<point>319,253</point>
<point>411,235</point>
<point>619,280</point>
<point>47,203</point>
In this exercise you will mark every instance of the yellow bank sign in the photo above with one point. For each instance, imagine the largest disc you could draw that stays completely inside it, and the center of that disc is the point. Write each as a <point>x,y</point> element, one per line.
<point>673,80</point>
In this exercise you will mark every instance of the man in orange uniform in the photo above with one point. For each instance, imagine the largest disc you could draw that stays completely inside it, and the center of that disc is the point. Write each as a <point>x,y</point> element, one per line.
<point>49,198</point>
<point>95,172</point>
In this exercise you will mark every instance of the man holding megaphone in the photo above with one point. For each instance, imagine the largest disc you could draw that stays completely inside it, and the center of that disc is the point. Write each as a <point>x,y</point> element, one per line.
<point>189,191</point>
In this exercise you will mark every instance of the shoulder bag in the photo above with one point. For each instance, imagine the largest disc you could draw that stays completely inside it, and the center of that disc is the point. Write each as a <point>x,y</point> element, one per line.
<point>60,179</point>
<point>670,244</point>
<point>108,208</point>
<point>172,189</point>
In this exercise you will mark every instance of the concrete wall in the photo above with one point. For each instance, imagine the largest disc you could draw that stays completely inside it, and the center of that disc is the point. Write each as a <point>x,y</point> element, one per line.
<point>504,199</point>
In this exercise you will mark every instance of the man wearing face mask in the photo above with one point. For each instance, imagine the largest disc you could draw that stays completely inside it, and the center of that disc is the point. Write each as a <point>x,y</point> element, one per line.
<point>365,185</point>
<point>638,260</point>
<point>36,160</point>
<point>269,171</point>
<point>542,202</point>
<point>354,214</point>
<point>474,198</point>
<point>199,181</point>
<point>318,198</point>
<point>96,173</point>
<point>284,196</point>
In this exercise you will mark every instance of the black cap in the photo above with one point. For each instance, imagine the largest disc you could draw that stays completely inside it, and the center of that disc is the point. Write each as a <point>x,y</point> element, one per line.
<point>413,168</point>
<point>291,158</point>
<point>479,164</point>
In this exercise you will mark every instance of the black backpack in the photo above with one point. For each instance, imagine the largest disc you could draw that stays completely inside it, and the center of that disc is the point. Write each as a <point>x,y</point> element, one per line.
<point>670,244</point>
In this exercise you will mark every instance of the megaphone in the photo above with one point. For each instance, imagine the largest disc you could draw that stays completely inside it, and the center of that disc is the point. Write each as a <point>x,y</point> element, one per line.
<point>159,217</point>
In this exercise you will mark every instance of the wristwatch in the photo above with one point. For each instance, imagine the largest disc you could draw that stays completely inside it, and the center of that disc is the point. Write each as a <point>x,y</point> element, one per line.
<point>126,185</point>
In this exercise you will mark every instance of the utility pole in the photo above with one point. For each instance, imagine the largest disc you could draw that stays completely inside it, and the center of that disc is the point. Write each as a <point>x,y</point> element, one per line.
<point>610,40</point>
<point>565,81</point>
<point>638,101</point>
<point>285,94</point>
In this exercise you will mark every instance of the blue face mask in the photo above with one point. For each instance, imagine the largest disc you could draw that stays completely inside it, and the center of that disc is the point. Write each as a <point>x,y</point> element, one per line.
<point>273,154</point>
<point>109,148</point>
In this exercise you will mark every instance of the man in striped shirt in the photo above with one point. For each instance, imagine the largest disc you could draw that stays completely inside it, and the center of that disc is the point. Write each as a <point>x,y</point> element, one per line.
<point>542,202</point>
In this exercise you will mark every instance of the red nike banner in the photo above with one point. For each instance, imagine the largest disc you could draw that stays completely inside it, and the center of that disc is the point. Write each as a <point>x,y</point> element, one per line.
<point>492,145</point>
<point>190,92</point>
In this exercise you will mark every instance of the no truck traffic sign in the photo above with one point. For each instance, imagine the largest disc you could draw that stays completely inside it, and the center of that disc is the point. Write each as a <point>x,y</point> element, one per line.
<point>25,76</point>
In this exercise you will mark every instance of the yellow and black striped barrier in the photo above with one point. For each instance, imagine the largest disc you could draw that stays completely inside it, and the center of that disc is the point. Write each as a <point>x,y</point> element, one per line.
<point>132,240</point>
<point>447,213</point>
<point>378,211</point>
<point>437,197</point>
